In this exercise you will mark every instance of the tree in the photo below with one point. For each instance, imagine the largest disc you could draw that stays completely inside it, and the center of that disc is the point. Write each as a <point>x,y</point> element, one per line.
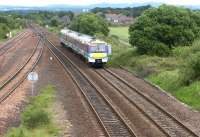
<point>54,22</point>
<point>89,23</point>
<point>158,30</point>
<point>3,30</point>
<point>133,12</point>
<point>70,14</point>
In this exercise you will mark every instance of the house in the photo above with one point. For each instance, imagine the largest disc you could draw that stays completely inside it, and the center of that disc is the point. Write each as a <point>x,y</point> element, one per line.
<point>118,19</point>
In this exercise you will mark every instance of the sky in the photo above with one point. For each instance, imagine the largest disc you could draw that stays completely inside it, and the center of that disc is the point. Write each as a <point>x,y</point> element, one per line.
<point>88,2</point>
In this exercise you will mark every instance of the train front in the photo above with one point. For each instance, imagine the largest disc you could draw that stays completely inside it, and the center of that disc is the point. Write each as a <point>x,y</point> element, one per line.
<point>99,53</point>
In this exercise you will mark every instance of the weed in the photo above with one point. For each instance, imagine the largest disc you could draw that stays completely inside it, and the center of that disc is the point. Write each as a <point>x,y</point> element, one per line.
<point>36,118</point>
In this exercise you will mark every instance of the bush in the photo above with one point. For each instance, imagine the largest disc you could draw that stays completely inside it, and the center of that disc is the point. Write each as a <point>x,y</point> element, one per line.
<point>3,30</point>
<point>167,80</point>
<point>54,22</point>
<point>35,117</point>
<point>158,30</point>
<point>190,72</point>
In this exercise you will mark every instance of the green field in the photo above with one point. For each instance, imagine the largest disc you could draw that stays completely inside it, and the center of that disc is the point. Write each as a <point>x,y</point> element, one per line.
<point>165,72</point>
<point>121,32</point>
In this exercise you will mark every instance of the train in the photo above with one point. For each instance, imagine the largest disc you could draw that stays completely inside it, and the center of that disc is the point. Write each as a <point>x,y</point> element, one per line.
<point>96,52</point>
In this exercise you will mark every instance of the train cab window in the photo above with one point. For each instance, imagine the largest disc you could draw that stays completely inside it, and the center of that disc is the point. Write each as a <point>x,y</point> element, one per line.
<point>98,48</point>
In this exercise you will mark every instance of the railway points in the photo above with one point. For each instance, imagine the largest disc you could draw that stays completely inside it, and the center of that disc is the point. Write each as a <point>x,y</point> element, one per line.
<point>109,114</point>
<point>9,85</point>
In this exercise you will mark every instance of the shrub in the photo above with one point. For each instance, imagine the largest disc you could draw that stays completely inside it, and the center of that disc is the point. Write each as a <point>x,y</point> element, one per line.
<point>158,30</point>
<point>34,117</point>
<point>183,52</point>
<point>190,72</point>
<point>168,80</point>
<point>3,30</point>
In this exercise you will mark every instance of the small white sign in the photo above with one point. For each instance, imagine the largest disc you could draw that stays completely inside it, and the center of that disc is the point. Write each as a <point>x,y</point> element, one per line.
<point>33,76</point>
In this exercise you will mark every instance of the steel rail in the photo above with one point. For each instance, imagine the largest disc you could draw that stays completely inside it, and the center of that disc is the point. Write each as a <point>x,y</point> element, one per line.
<point>86,96</point>
<point>10,40</point>
<point>2,85</point>
<point>6,46</point>
<point>120,92</point>
<point>148,99</point>
<point>7,94</point>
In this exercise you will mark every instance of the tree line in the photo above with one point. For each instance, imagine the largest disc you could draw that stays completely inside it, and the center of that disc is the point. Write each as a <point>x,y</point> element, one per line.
<point>54,19</point>
<point>131,12</point>
<point>10,21</point>
<point>17,20</point>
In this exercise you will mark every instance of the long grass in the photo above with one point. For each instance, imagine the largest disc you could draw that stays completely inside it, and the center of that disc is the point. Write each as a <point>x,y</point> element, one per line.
<point>165,72</point>
<point>36,118</point>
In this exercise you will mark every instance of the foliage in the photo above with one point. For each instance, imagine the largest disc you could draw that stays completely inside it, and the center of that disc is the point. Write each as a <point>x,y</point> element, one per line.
<point>133,12</point>
<point>16,133</point>
<point>70,14</point>
<point>9,22</point>
<point>53,19</point>
<point>167,80</point>
<point>54,22</point>
<point>89,23</point>
<point>158,30</point>
<point>189,94</point>
<point>167,72</point>
<point>3,30</point>
<point>36,119</point>
<point>190,72</point>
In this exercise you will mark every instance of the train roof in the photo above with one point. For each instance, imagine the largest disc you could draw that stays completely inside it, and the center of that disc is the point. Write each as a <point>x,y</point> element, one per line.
<point>82,37</point>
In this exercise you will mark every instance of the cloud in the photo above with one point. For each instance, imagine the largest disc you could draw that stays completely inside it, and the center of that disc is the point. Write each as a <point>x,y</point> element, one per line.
<point>87,2</point>
<point>173,2</point>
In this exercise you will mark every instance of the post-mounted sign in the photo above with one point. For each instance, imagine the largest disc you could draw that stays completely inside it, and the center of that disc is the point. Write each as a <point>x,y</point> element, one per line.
<point>33,77</point>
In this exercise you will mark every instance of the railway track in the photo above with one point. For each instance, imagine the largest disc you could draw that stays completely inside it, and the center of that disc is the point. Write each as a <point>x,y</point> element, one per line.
<point>161,118</point>
<point>166,122</point>
<point>5,47</point>
<point>112,122</point>
<point>5,95</point>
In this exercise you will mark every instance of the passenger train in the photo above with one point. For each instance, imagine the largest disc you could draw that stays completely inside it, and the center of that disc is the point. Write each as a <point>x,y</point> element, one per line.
<point>95,51</point>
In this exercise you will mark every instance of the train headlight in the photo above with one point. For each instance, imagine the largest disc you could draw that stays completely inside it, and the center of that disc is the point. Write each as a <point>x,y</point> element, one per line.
<point>91,60</point>
<point>104,59</point>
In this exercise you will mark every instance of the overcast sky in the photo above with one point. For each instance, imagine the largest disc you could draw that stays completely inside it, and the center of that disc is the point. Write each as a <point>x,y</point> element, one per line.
<point>87,2</point>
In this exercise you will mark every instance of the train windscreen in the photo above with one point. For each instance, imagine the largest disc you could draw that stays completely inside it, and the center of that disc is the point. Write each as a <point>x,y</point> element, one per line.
<point>99,48</point>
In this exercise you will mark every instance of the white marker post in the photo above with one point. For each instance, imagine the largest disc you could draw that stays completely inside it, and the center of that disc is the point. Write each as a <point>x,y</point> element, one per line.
<point>33,77</point>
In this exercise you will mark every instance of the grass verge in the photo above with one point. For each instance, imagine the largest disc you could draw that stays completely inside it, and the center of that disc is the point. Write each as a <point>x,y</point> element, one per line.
<point>36,118</point>
<point>166,72</point>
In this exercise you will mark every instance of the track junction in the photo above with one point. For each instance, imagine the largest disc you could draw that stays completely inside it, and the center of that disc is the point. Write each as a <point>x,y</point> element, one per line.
<point>120,108</point>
